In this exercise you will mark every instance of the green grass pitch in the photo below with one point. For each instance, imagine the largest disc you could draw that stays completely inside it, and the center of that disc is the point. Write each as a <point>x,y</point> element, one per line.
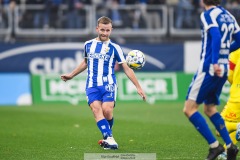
<point>66,132</point>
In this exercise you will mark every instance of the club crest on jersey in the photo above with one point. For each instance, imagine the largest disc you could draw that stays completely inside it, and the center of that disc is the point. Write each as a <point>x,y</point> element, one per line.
<point>106,49</point>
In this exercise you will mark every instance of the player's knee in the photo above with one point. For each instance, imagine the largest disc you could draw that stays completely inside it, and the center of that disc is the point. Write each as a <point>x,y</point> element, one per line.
<point>207,112</point>
<point>189,108</point>
<point>108,113</point>
<point>96,110</point>
<point>210,110</point>
<point>184,110</point>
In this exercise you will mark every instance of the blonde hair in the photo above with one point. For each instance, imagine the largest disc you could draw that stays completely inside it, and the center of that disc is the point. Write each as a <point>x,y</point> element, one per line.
<point>104,20</point>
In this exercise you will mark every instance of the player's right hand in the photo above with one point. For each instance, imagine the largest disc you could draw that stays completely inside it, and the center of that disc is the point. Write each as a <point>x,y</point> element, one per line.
<point>66,77</point>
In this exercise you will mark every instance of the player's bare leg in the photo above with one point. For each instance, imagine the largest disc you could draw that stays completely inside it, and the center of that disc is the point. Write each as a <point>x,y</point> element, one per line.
<point>109,143</point>
<point>96,108</point>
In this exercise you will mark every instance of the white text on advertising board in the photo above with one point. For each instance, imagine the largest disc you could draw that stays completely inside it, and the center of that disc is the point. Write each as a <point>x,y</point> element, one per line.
<point>47,65</point>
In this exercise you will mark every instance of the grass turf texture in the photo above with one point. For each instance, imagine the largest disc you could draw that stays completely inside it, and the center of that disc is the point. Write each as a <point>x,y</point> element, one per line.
<point>66,132</point>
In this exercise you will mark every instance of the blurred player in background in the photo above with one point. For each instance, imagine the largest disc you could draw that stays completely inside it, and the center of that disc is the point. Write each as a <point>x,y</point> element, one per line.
<point>231,111</point>
<point>218,27</point>
<point>101,55</point>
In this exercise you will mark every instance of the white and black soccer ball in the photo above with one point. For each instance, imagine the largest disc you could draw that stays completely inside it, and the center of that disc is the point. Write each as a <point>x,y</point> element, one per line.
<point>135,59</point>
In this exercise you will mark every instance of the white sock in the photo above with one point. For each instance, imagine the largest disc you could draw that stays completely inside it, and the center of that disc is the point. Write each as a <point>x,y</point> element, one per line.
<point>229,145</point>
<point>214,144</point>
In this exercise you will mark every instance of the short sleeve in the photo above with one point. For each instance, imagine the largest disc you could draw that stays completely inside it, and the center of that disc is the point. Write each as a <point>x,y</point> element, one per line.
<point>118,53</point>
<point>209,19</point>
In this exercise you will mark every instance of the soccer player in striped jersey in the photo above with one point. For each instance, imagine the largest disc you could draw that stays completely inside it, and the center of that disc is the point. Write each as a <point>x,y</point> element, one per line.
<point>101,55</point>
<point>218,28</point>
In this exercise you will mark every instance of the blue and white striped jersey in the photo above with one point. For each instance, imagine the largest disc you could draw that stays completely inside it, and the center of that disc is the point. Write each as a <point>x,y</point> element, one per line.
<point>101,59</point>
<point>221,18</point>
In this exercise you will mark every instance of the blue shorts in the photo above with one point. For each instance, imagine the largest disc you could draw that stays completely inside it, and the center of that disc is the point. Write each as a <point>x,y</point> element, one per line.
<point>105,93</point>
<point>205,88</point>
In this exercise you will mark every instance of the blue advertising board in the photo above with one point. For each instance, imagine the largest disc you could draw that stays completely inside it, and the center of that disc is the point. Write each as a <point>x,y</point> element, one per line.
<point>15,89</point>
<point>162,57</point>
<point>55,58</point>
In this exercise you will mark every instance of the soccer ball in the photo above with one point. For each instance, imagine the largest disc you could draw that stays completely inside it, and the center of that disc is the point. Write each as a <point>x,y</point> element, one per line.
<point>135,59</point>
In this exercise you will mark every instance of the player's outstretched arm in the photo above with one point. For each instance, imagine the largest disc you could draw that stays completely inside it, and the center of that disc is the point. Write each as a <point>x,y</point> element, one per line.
<point>81,67</point>
<point>130,74</point>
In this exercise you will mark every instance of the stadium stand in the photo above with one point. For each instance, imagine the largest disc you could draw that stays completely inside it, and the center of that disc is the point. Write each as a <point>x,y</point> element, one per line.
<point>151,21</point>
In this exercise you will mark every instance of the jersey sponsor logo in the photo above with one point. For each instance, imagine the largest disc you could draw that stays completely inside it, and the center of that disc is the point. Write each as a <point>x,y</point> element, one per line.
<point>105,57</point>
<point>231,115</point>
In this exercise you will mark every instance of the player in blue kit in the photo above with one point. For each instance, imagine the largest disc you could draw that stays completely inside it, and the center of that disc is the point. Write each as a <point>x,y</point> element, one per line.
<point>218,28</point>
<point>101,55</point>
